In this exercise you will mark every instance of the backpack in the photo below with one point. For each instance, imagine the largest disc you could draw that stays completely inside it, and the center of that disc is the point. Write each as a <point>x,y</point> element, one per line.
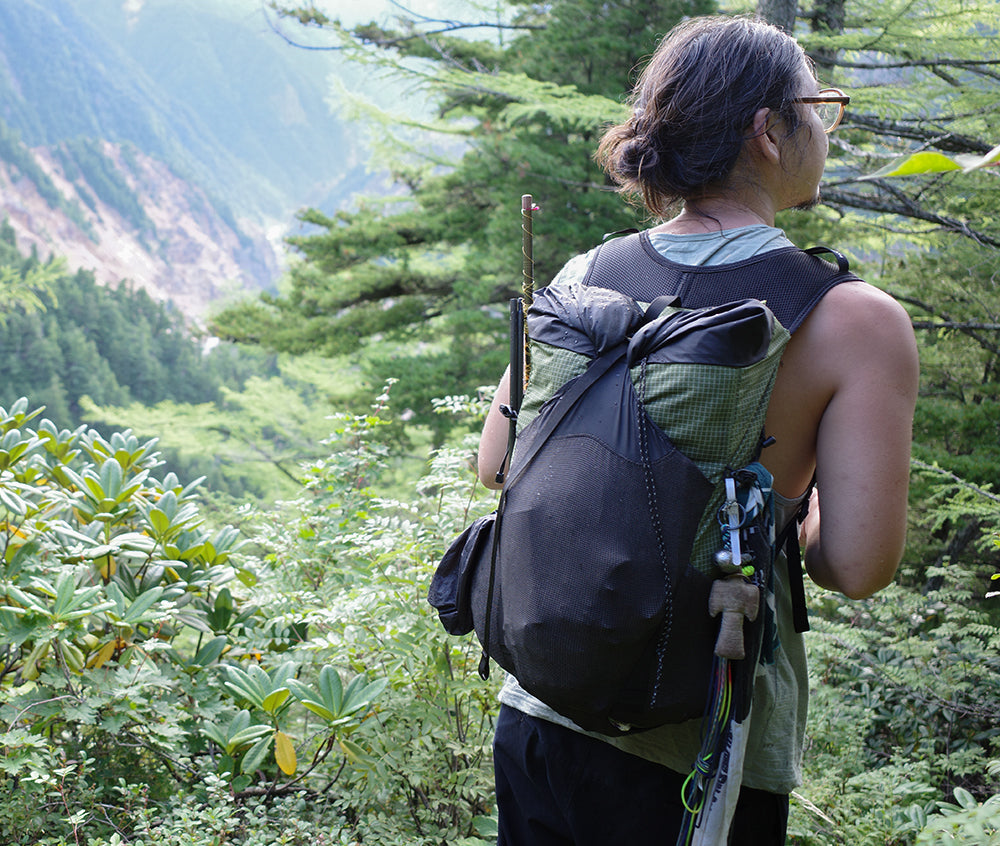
<point>633,544</point>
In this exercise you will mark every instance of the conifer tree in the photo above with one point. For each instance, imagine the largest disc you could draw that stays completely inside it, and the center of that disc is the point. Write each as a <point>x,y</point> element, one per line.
<point>439,264</point>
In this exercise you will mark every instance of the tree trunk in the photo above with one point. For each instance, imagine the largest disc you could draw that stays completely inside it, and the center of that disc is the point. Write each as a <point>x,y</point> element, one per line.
<point>781,13</point>
<point>827,18</point>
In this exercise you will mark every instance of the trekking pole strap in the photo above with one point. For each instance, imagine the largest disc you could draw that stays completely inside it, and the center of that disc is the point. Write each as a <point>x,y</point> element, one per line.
<point>788,540</point>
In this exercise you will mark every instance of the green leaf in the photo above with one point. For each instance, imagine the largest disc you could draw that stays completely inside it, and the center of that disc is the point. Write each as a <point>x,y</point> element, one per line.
<point>27,601</point>
<point>964,798</point>
<point>360,694</point>
<point>319,710</point>
<point>20,556</point>
<point>12,502</point>
<point>256,754</point>
<point>111,478</point>
<point>331,689</point>
<point>355,754</point>
<point>142,604</point>
<point>275,699</point>
<point>211,651</point>
<point>115,595</point>
<point>239,722</point>
<point>64,594</point>
<point>918,163</point>
<point>246,686</point>
<point>214,733</point>
<point>245,737</point>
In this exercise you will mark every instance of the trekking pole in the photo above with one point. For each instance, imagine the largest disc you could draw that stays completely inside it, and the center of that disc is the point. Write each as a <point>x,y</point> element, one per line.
<point>519,355</point>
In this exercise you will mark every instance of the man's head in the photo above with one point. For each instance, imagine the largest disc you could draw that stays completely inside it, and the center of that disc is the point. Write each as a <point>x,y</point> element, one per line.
<point>696,103</point>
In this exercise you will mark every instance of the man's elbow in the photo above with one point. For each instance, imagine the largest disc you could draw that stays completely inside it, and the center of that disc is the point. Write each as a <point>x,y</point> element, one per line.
<point>865,589</point>
<point>488,475</point>
<point>855,578</point>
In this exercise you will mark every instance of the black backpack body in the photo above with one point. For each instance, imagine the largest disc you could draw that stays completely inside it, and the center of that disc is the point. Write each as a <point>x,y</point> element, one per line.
<point>592,582</point>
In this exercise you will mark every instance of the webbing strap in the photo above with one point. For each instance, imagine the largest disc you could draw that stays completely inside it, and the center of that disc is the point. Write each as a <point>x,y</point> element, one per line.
<point>789,541</point>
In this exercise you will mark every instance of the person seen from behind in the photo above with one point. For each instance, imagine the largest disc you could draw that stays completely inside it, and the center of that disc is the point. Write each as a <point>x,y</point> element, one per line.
<point>728,127</point>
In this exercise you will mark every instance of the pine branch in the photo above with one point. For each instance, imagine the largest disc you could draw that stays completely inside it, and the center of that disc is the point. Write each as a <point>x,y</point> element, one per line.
<point>958,480</point>
<point>376,36</point>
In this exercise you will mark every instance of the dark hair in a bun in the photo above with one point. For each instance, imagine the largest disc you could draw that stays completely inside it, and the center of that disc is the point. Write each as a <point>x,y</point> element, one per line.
<point>694,103</point>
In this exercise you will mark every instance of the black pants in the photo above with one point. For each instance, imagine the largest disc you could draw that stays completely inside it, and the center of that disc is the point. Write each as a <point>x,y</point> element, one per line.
<point>557,787</point>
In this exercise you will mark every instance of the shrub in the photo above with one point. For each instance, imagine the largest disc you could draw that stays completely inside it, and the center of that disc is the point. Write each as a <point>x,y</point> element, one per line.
<point>131,654</point>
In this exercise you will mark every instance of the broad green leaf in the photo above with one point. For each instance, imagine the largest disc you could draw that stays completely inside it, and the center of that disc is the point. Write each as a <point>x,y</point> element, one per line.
<point>111,478</point>
<point>214,733</point>
<point>255,755</point>
<point>331,689</point>
<point>26,600</point>
<point>246,686</point>
<point>319,710</point>
<point>19,555</point>
<point>355,753</point>
<point>275,699</point>
<point>918,163</point>
<point>64,595</point>
<point>931,162</point>
<point>360,694</point>
<point>245,737</point>
<point>211,651</point>
<point>240,721</point>
<point>159,521</point>
<point>12,502</point>
<point>115,595</point>
<point>142,604</point>
<point>964,798</point>
<point>93,484</point>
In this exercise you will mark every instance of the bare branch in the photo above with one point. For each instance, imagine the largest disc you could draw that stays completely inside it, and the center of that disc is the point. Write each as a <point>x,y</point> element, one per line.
<point>948,142</point>
<point>901,204</point>
<point>371,34</point>
<point>967,64</point>
<point>950,324</point>
<point>945,320</point>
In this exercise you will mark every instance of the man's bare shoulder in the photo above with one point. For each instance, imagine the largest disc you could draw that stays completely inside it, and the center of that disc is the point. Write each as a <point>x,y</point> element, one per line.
<point>862,321</point>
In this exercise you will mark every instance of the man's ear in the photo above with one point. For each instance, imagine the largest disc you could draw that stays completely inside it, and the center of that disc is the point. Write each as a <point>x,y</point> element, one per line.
<point>764,135</point>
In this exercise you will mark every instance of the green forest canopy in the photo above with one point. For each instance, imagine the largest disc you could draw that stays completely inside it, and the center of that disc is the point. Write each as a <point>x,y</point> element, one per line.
<point>437,262</point>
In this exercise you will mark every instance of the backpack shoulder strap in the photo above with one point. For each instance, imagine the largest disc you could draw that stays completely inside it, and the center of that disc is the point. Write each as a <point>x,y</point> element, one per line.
<point>791,281</point>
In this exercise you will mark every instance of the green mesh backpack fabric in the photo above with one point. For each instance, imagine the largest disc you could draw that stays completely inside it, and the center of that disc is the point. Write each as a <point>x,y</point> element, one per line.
<point>633,489</point>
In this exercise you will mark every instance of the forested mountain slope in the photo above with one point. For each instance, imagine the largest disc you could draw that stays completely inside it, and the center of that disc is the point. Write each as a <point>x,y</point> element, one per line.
<point>70,338</point>
<point>168,141</point>
<point>112,210</point>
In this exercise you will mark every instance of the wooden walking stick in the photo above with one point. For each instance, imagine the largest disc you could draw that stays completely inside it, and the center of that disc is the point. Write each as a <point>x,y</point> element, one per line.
<point>528,268</point>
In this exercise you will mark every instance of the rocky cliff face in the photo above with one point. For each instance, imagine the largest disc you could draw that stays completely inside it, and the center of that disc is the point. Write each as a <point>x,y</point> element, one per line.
<point>188,253</point>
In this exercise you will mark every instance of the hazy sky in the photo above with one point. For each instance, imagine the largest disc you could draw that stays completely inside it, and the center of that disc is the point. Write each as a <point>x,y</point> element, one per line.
<point>355,11</point>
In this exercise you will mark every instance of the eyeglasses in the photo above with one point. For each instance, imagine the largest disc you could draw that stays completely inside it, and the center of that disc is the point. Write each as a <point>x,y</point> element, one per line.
<point>829,105</point>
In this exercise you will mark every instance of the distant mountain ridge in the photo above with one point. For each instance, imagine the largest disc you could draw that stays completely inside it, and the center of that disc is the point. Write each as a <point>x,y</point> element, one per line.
<point>185,251</point>
<point>203,125</point>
